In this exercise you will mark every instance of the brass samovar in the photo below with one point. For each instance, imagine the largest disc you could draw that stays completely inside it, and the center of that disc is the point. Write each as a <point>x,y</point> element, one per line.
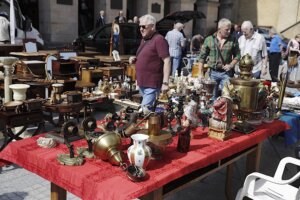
<point>245,94</point>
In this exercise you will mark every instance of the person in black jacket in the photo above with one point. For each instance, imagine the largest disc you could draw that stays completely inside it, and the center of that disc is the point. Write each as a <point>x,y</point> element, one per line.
<point>101,20</point>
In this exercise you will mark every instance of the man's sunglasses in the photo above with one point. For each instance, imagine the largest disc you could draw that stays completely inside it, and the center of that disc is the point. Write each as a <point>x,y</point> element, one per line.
<point>144,26</point>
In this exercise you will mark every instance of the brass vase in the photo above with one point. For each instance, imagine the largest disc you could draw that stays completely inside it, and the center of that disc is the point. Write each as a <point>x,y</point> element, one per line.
<point>107,147</point>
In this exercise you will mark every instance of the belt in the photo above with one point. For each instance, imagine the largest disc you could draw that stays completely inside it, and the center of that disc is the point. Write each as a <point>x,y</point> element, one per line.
<point>275,53</point>
<point>218,69</point>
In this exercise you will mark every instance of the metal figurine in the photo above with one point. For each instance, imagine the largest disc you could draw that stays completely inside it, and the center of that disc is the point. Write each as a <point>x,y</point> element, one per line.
<point>179,112</point>
<point>170,116</point>
<point>70,159</point>
<point>89,125</point>
<point>184,139</point>
<point>112,119</point>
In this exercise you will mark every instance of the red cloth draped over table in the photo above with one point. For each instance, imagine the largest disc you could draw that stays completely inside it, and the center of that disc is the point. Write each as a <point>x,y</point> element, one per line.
<point>97,179</point>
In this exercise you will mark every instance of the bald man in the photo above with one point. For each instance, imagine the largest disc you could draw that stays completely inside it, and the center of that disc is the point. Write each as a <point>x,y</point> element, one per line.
<point>254,44</point>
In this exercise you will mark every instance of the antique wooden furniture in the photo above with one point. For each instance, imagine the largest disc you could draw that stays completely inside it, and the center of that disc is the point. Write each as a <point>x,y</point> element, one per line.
<point>112,71</point>
<point>29,56</point>
<point>37,68</point>
<point>11,119</point>
<point>108,61</point>
<point>5,49</point>
<point>91,75</point>
<point>64,109</point>
<point>64,69</point>
<point>131,72</point>
<point>84,58</point>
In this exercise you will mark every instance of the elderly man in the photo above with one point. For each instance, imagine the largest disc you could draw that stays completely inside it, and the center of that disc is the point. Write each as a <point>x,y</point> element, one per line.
<point>152,62</point>
<point>120,18</point>
<point>176,43</point>
<point>222,51</point>
<point>101,20</point>
<point>254,44</point>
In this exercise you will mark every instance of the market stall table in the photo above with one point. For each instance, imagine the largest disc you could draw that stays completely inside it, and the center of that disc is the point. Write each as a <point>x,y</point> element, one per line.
<point>97,179</point>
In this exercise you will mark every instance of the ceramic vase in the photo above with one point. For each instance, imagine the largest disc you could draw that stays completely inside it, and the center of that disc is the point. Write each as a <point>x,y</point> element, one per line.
<point>139,153</point>
<point>19,91</point>
<point>19,94</point>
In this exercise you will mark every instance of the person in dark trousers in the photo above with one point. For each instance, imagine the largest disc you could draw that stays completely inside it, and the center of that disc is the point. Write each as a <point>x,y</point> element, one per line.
<point>152,62</point>
<point>275,54</point>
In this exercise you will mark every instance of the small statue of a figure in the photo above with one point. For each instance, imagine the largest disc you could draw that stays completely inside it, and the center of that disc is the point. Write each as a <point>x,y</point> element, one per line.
<point>184,138</point>
<point>222,114</point>
<point>220,123</point>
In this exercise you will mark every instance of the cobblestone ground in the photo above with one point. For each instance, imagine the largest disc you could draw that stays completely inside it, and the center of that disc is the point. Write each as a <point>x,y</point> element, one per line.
<point>17,183</point>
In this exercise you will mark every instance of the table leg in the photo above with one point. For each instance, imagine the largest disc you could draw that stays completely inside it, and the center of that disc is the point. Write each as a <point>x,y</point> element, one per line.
<point>57,192</point>
<point>228,185</point>
<point>41,126</point>
<point>155,195</point>
<point>253,160</point>
<point>9,136</point>
<point>5,142</point>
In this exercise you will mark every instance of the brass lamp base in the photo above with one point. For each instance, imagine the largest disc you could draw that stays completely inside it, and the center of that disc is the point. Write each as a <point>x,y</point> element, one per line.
<point>218,134</point>
<point>65,159</point>
<point>85,152</point>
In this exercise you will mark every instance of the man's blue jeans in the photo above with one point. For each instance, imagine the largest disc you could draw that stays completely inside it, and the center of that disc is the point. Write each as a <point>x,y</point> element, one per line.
<point>221,78</point>
<point>175,64</point>
<point>149,95</point>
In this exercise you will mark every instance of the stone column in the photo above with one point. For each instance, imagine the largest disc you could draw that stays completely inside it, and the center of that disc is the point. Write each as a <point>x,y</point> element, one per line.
<point>8,72</point>
<point>210,10</point>
<point>58,22</point>
<point>226,9</point>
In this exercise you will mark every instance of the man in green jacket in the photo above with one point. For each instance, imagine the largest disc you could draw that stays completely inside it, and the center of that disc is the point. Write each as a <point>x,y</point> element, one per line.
<point>221,51</point>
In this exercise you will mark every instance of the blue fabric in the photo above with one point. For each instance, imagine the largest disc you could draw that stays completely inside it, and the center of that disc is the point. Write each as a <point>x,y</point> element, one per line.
<point>175,64</point>
<point>275,44</point>
<point>293,134</point>
<point>221,78</point>
<point>149,95</point>
<point>256,74</point>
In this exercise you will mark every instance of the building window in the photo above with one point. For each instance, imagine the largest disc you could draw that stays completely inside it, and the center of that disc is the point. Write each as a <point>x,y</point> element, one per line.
<point>155,8</point>
<point>116,4</point>
<point>65,2</point>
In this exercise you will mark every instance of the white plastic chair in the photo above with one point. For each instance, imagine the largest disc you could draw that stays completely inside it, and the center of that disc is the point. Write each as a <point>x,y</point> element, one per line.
<point>258,186</point>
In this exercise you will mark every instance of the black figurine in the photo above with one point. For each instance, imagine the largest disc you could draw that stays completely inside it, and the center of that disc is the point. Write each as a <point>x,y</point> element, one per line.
<point>184,139</point>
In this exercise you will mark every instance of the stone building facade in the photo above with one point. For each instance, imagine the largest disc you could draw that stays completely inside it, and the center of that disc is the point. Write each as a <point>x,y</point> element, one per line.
<point>59,20</point>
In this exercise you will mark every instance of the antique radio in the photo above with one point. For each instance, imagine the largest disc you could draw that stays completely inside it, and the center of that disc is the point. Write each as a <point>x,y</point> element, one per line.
<point>74,97</point>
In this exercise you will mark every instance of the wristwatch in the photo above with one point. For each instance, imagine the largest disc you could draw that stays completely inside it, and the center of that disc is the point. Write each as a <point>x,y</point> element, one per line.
<point>165,83</point>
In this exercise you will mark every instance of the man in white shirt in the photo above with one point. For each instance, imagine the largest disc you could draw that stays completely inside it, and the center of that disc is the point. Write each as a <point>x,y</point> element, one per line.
<point>176,42</point>
<point>254,44</point>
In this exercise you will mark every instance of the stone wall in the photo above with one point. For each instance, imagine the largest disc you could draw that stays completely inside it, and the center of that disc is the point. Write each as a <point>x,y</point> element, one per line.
<point>58,23</point>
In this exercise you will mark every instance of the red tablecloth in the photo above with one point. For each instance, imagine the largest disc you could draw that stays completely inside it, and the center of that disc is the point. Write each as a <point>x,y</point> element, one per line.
<point>97,179</point>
